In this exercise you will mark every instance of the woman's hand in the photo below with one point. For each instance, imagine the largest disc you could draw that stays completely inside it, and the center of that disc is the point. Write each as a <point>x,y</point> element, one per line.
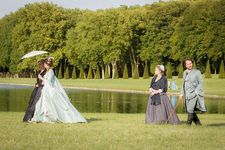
<point>151,91</point>
<point>160,90</point>
<point>40,77</point>
<point>180,96</point>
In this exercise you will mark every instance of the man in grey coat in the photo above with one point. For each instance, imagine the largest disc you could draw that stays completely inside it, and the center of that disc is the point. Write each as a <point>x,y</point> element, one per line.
<point>192,91</point>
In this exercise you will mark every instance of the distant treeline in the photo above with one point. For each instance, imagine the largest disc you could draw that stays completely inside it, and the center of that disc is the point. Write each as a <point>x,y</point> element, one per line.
<point>117,42</point>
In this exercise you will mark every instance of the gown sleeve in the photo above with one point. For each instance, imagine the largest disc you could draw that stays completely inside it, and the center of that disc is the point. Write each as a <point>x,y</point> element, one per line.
<point>49,80</point>
<point>164,85</point>
<point>151,84</point>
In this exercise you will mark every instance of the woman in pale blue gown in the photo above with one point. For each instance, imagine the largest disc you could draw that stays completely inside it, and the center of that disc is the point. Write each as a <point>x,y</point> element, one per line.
<point>54,104</point>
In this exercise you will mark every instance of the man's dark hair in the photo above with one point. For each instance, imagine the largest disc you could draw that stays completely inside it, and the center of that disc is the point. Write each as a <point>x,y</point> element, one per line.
<point>188,59</point>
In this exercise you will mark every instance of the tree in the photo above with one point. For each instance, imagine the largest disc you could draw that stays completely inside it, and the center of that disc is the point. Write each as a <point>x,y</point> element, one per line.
<point>180,71</point>
<point>60,72</point>
<point>82,75</point>
<point>194,65</point>
<point>97,73</point>
<point>208,70</point>
<point>39,30</point>
<point>67,76</point>
<point>222,73</point>
<point>125,72</point>
<point>169,71</point>
<point>106,72</point>
<point>135,74</point>
<point>157,33</point>
<point>90,73</point>
<point>7,24</point>
<point>116,76</point>
<point>146,75</point>
<point>74,73</point>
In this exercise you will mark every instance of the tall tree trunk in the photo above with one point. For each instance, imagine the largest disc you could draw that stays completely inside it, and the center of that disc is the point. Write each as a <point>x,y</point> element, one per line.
<point>109,70</point>
<point>113,69</point>
<point>103,71</point>
<point>133,60</point>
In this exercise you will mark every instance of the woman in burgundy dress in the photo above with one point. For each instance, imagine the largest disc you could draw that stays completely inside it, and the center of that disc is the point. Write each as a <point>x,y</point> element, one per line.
<point>35,94</point>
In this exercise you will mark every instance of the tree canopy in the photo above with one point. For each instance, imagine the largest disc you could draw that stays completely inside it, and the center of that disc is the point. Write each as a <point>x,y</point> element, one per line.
<point>158,33</point>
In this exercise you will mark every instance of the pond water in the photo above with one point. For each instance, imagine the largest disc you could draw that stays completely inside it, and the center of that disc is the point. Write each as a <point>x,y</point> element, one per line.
<point>14,98</point>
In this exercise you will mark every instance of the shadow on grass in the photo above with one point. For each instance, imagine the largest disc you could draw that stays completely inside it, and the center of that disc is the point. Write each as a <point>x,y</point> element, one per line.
<point>93,119</point>
<point>216,124</point>
<point>182,122</point>
<point>210,125</point>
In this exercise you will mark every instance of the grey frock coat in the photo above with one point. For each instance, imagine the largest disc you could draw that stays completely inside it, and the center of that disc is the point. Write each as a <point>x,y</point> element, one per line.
<point>192,90</point>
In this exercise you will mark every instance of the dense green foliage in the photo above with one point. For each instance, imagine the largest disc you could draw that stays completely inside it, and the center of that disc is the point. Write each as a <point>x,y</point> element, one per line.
<point>160,33</point>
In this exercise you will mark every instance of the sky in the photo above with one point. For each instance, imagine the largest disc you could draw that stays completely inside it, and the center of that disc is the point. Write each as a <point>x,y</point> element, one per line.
<point>7,6</point>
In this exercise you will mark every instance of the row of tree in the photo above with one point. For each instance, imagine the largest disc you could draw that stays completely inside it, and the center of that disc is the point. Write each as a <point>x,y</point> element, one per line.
<point>118,42</point>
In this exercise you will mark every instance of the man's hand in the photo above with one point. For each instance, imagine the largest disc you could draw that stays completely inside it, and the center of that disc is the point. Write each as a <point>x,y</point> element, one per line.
<point>180,96</point>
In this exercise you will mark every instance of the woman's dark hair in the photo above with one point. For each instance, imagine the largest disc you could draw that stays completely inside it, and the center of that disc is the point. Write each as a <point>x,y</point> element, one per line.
<point>49,61</point>
<point>41,62</point>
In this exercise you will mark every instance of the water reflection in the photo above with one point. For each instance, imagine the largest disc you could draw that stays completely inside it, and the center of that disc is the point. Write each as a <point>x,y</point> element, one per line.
<point>15,98</point>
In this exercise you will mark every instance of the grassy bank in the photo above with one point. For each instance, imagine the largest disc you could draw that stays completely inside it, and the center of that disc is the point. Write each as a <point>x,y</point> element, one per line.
<point>212,86</point>
<point>111,131</point>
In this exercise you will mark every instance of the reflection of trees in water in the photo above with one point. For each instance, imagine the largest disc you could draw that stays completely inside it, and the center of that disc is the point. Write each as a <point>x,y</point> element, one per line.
<point>111,101</point>
<point>4,100</point>
<point>96,101</point>
<point>17,99</point>
<point>142,104</point>
<point>118,103</point>
<point>106,97</point>
<point>130,103</point>
<point>103,102</point>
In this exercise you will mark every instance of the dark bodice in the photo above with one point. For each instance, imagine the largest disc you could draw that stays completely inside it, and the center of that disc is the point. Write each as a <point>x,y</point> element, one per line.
<point>160,84</point>
<point>39,82</point>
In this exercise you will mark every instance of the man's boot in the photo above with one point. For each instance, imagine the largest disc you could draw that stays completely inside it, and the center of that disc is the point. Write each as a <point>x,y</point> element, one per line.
<point>196,120</point>
<point>190,118</point>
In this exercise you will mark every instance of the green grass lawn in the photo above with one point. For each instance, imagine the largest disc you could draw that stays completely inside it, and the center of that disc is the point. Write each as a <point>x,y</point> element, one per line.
<point>109,131</point>
<point>212,86</point>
